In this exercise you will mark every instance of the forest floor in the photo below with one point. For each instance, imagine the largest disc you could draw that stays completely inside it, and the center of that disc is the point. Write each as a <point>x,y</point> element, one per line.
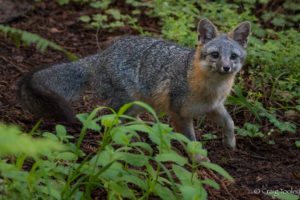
<point>256,166</point>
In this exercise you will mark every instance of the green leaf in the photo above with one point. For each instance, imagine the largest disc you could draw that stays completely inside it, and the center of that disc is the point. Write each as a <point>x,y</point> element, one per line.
<point>218,169</point>
<point>140,127</point>
<point>134,179</point>
<point>211,183</point>
<point>209,136</point>
<point>92,124</point>
<point>113,171</point>
<point>179,137</point>
<point>195,147</point>
<point>85,19</point>
<point>240,99</point>
<point>12,141</point>
<point>121,189</point>
<point>155,137</point>
<point>82,117</point>
<point>109,120</point>
<point>133,159</point>
<point>161,135</point>
<point>164,192</point>
<point>122,135</point>
<point>67,156</point>
<point>62,2</point>
<point>100,18</point>
<point>194,192</point>
<point>103,4</point>
<point>297,143</point>
<point>148,108</point>
<point>283,126</point>
<point>124,108</point>
<point>50,136</point>
<point>41,43</point>
<point>10,171</point>
<point>115,13</point>
<point>171,157</point>
<point>105,157</point>
<point>50,191</point>
<point>271,142</point>
<point>183,175</point>
<point>143,145</point>
<point>61,131</point>
<point>251,127</point>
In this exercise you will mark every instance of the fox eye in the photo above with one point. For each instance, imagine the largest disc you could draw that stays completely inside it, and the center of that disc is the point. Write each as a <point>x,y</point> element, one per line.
<point>215,54</point>
<point>233,56</point>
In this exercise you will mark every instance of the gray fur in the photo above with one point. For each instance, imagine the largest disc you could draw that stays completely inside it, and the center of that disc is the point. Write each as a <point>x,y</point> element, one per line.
<point>141,64</point>
<point>64,74</point>
<point>225,47</point>
<point>148,69</point>
<point>241,33</point>
<point>206,31</point>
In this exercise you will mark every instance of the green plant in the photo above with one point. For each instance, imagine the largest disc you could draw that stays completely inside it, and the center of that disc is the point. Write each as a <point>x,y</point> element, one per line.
<point>29,38</point>
<point>15,182</point>
<point>281,126</point>
<point>179,30</point>
<point>101,20</point>
<point>240,100</point>
<point>138,155</point>
<point>13,141</point>
<point>111,18</point>
<point>251,130</point>
<point>122,167</point>
<point>209,136</point>
<point>258,110</point>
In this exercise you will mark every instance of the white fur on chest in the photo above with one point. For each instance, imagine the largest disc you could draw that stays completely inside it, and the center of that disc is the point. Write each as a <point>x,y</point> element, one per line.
<point>200,108</point>
<point>207,99</point>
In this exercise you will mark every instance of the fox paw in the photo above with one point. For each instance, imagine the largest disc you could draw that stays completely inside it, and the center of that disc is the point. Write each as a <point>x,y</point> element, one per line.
<point>199,158</point>
<point>230,143</point>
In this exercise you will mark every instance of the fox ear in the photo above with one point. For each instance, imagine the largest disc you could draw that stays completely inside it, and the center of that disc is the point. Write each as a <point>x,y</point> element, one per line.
<point>206,31</point>
<point>241,33</point>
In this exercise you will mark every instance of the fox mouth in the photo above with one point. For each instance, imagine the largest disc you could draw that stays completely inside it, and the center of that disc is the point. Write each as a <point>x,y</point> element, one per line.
<point>221,70</point>
<point>225,73</point>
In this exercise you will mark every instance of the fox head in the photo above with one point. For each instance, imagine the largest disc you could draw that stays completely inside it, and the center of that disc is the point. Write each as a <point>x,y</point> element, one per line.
<point>222,53</point>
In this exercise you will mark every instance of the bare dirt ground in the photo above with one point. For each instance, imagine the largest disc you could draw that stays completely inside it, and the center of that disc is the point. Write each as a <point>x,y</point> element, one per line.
<point>256,166</point>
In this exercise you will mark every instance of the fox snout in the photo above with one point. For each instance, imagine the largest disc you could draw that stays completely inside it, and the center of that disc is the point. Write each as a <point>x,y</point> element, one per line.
<point>224,67</point>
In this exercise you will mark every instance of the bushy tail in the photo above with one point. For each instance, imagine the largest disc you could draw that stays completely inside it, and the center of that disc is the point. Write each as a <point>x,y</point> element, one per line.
<point>47,92</point>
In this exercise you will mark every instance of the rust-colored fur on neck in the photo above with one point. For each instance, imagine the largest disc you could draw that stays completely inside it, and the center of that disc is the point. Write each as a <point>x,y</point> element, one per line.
<point>196,75</point>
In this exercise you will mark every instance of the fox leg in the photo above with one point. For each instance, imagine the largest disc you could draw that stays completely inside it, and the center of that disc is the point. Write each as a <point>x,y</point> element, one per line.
<point>223,119</point>
<point>184,125</point>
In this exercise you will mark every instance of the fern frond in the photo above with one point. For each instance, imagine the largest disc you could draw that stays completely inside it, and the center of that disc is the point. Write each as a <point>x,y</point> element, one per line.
<point>41,43</point>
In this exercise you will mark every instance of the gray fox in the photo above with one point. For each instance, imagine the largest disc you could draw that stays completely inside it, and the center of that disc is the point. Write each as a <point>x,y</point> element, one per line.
<point>183,82</point>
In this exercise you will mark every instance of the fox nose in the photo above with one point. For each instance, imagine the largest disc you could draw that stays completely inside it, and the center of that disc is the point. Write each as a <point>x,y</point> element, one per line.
<point>226,68</point>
